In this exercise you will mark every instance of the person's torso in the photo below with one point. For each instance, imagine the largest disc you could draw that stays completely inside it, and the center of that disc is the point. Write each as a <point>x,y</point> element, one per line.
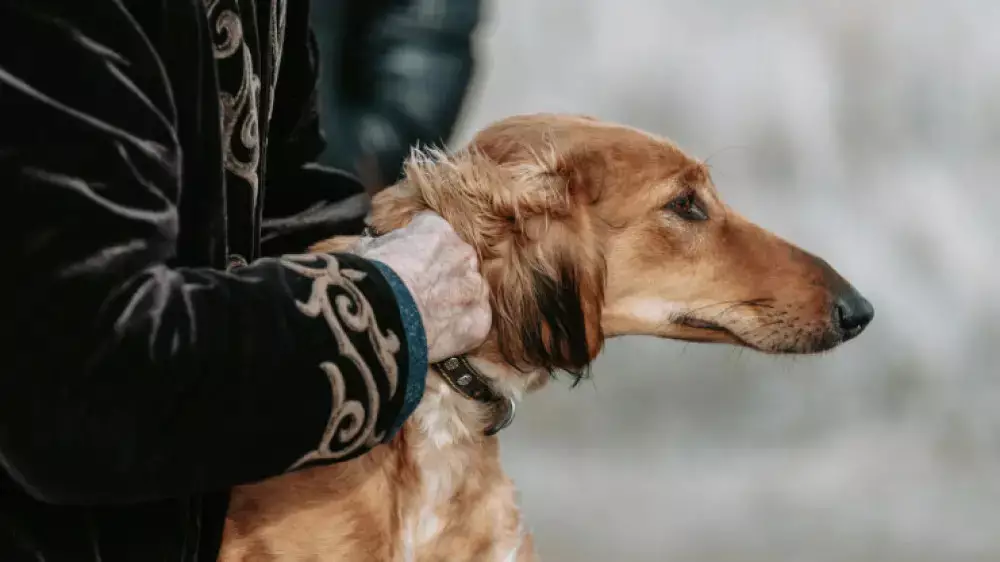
<point>223,74</point>
<point>222,60</point>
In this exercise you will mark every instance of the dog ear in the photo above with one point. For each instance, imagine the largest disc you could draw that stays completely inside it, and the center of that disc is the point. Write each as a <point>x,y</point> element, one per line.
<point>528,219</point>
<point>548,280</point>
<point>548,310</point>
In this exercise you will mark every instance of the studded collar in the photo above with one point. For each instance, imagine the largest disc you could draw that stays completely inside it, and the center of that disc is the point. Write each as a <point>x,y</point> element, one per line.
<point>467,381</point>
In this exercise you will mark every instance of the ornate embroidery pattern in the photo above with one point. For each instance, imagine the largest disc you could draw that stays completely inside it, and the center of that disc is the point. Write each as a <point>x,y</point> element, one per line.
<point>279,9</point>
<point>241,152</point>
<point>351,424</point>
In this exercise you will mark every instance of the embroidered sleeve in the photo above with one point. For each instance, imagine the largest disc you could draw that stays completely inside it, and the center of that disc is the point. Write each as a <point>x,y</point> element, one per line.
<point>413,327</point>
<point>337,299</point>
<point>127,377</point>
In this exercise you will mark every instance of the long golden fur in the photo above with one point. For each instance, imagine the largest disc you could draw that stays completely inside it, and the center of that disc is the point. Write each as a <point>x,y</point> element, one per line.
<point>585,230</point>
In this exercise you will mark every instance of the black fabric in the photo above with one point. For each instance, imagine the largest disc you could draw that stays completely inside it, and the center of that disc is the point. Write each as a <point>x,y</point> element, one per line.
<point>141,379</point>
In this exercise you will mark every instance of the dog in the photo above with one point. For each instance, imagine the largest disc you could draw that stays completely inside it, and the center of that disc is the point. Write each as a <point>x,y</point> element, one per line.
<point>585,230</point>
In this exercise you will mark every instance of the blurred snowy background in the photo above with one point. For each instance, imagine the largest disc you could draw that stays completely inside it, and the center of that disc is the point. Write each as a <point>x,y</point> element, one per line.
<point>867,132</point>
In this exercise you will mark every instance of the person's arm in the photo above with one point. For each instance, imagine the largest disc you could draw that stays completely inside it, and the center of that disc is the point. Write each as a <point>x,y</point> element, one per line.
<point>418,63</point>
<point>126,378</point>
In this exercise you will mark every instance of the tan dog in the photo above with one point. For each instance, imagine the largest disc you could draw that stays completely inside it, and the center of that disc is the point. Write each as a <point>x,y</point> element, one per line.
<point>585,230</point>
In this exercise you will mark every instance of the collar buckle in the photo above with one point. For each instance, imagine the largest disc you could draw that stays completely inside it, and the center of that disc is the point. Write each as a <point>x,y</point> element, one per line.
<point>467,381</point>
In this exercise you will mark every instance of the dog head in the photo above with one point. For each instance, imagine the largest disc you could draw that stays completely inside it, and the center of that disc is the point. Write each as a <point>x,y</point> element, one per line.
<point>587,230</point>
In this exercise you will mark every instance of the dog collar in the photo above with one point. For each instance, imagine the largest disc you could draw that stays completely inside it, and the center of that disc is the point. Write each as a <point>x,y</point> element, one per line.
<point>469,382</point>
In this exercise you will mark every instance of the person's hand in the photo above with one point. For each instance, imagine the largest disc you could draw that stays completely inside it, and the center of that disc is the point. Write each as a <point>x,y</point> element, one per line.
<point>442,273</point>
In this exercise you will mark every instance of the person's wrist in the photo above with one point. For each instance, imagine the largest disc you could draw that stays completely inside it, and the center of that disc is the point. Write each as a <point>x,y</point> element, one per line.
<point>415,336</point>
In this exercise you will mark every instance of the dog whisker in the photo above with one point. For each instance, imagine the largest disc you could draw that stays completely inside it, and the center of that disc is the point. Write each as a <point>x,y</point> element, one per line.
<point>729,305</point>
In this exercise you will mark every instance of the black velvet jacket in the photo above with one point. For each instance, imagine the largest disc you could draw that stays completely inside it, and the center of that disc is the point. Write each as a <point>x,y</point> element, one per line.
<point>153,355</point>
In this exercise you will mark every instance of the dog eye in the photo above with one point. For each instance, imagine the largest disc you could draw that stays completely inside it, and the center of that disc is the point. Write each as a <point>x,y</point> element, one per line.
<point>688,208</point>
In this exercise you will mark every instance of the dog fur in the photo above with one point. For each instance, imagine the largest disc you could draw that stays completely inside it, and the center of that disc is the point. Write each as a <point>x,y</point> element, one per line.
<point>585,230</point>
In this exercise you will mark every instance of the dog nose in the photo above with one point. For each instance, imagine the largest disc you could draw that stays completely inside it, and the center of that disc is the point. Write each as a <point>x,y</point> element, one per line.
<point>852,313</point>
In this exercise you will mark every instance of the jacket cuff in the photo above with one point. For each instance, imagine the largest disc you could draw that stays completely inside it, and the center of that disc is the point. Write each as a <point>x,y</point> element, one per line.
<point>416,342</point>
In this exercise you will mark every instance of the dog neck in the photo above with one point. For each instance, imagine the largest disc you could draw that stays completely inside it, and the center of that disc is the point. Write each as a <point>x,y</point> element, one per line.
<point>466,379</point>
<point>470,398</point>
<point>447,440</point>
